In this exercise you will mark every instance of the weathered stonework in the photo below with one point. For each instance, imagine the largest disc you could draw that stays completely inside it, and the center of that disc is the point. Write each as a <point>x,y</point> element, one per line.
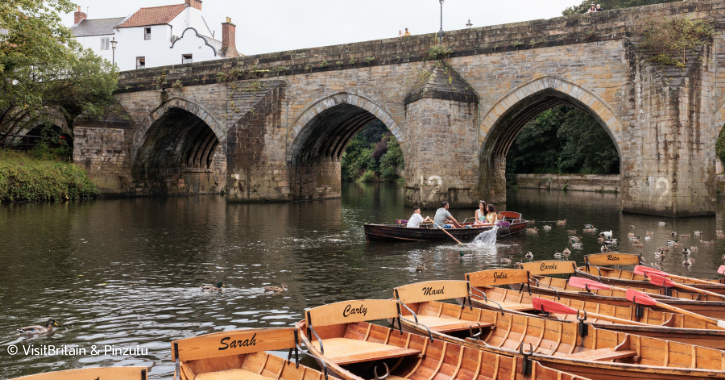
<point>610,183</point>
<point>283,119</point>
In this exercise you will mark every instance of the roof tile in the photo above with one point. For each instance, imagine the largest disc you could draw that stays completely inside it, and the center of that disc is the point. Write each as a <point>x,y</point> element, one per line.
<point>153,16</point>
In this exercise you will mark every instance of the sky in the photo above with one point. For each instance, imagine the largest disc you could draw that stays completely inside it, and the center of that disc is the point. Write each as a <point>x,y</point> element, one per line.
<point>279,25</point>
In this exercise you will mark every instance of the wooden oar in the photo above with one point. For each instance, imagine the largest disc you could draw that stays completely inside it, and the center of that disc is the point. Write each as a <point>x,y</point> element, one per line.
<point>661,281</point>
<point>643,299</point>
<point>444,230</point>
<point>585,283</point>
<point>549,306</point>
<point>645,271</point>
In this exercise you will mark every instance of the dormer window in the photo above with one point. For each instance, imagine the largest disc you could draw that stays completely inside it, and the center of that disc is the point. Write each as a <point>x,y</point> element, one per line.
<point>147,33</point>
<point>186,58</point>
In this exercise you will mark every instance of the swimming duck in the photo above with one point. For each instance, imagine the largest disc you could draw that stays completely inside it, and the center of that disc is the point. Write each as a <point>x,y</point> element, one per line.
<point>276,289</point>
<point>506,260</point>
<point>706,242</point>
<point>649,233</point>
<point>698,233</point>
<point>662,223</point>
<point>663,249</point>
<point>575,239</point>
<point>600,240</point>
<point>420,267</point>
<point>571,232</point>
<point>674,243</point>
<point>547,227</point>
<point>674,233</point>
<point>606,234</point>
<point>631,226</point>
<point>590,229</point>
<point>529,255</point>
<point>604,248</point>
<point>686,252</point>
<point>610,242</point>
<point>648,237</point>
<point>39,329</point>
<point>566,252</point>
<point>693,248</point>
<point>558,254</point>
<point>656,265</point>
<point>637,244</point>
<point>561,222</point>
<point>532,230</point>
<point>212,288</point>
<point>685,236</point>
<point>720,235</point>
<point>687,262</point>
<point>589,226</point>
<point>630,235</point>
<point>577,245</point>
<point>660,255</point>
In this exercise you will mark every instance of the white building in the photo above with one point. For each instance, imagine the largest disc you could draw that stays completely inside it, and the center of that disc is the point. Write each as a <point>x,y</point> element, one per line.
<point>156,36</point>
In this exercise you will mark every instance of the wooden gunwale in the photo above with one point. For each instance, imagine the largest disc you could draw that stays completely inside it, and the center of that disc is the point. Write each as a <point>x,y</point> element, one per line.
<point>597,345</point>
<point>116,373</point>
<point>613,277</point>
<point>394,232</point>
<point>468,362</point>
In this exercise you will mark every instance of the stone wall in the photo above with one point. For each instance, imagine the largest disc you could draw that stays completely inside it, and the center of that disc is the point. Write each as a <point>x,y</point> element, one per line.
<point>578,182</point>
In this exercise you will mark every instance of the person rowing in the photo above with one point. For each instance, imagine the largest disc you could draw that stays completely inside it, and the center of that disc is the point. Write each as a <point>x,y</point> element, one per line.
<point>416,219</point>
<point>444,218</point>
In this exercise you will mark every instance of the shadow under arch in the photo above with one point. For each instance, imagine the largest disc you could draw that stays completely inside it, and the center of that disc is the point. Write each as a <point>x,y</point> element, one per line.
<point>508,116</point>
<point>318,139</point>
<point>178,152</point>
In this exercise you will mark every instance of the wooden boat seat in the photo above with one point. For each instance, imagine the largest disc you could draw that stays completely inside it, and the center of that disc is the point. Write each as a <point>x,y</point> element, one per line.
<point>231,374</point>
<point>443,324</point>
<point>347,351</point>
<point>509,305</point>
<point>602,354</point>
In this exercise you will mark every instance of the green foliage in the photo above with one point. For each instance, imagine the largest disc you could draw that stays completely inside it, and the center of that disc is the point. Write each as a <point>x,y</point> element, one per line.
<point>438,52</point>
<point>42,66</point>
<point>25,178</point>
<point>562,140</point>
<point>368,176</point>
<point>323,64</point>
<point>583,7</point>
<point>374,149</point>
<point>720,146</point>
<point>667,40</point>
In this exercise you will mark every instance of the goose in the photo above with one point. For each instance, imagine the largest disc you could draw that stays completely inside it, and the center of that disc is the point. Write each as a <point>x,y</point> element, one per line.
<point>529,255</point>
<point>506,260</point>
<point>571,232</point>
<point>566,252</point>
<point>547,227</point>
<point>662,223</point>
<point>39,329</point>
<point>694,248</point>
<point>212,288</point>
<point>577,245</point>
<point>558,254</point>
<point>276,289</point>
<point>606,234</point>
<point>420,267</point>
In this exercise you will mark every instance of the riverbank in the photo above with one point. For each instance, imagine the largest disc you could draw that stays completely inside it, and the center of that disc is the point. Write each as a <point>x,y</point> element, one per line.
<point>24,177</point>
<point>609,183</point>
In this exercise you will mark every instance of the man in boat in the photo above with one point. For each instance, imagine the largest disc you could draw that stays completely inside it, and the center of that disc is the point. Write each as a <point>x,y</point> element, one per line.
<point>417,219</point>
<point>444,218</point>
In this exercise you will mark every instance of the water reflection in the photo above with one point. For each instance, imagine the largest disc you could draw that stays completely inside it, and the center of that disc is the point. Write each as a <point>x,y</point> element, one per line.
<point>128,272</point>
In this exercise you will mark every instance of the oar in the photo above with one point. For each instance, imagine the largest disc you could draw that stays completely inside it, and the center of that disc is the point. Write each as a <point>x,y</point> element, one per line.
<point>549,306</point>
<point>661,281</point>
<point>644,271</point>
<point>585,283</point>
<point>444,230</point>
<point>643,299</point>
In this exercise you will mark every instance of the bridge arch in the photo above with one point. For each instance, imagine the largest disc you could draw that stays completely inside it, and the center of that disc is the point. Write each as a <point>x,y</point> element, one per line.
<point>179,149</point>
<point>508,116</point>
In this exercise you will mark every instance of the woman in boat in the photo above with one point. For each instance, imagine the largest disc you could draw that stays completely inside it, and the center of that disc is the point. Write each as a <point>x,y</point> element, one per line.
<point>480,214</point>
<point>491,216</point>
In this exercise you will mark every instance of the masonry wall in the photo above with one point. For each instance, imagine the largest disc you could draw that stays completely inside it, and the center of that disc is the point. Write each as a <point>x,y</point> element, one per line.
<point>575,182</point>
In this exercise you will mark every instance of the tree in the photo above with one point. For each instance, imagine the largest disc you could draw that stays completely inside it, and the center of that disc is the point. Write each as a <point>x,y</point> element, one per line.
<point>43,67</point>
<point>609,5</point>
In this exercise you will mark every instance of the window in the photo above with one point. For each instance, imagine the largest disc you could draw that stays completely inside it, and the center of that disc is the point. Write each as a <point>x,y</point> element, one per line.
<point>140,63</point>
<point>147,33</point>
<point>105,43</point>
<point>186,58</point>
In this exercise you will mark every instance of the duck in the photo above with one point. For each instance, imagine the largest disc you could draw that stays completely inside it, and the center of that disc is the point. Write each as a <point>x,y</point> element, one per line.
<point>663,249</point>
<point>632,238</point>
<point>561,222</point>
<point>39,329</point>
<point>662,223</point>
<point>660,254</point>
<point>606,234</point>
<point>558,254</point>
<point>610,242</point>
<point>212,288</point>
<point>694,248</point>
<point>649,233</point>
<point>575,239</point>
<point>686,252</point>
<point>529,255</point>
<point>604,248</point>
<point>648,237</point>
<point>577,245</point>
<point>656,265</point>
<point>706,242</point>
<point>566,252</point>
<point>631,226</point>
<point>687,262</point>
<point>571,232</point>
<point>547,227</point>
<point>590,226</point>
<point>698,233</point>
<point>673,233</point>
<point>674,243</point>
<point>630,235</point>
<point>590,229</point>
<point>600,240</point>
<point>637,244</point>
<point>276,289</point>
<point>532,230</point>
<point>506,260</point>
<point>420,267</point>
<point>685,236</point>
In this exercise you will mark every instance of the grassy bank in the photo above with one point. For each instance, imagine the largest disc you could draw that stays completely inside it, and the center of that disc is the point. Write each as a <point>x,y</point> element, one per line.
<point>33,177</point>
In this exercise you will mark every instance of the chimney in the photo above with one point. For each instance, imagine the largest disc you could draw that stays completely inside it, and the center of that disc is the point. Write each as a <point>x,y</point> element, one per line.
<point>229,44</point>
<point>194,4</point>
<point>78,16</point>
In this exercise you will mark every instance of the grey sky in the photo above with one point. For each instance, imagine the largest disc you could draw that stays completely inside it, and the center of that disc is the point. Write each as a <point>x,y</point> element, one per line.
<point>278,25</point>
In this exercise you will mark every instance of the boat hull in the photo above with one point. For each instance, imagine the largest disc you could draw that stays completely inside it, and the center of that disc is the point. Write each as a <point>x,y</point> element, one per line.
<point>715,287</point>
<point>393,232</point>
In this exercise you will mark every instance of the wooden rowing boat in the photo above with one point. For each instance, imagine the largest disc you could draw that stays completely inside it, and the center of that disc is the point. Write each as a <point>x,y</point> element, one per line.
<point>339,335</point>
<point>618,277</point>
<point>578,348</point>
<point>514,223</point>
<point>115,373</point>
<point>240,355</point>
<point>648,322</point>
<point>540,283</point>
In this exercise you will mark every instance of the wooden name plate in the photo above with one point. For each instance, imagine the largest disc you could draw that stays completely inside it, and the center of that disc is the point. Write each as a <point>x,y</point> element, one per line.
<point>233,343</point>
<point>536,268</point>
<point>495,277</point>
<point>613,258</point>
<point>432,291</point>
<point>352,312</point>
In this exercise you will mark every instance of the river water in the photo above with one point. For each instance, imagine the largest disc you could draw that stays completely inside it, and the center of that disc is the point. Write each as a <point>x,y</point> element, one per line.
<point>127,273</point>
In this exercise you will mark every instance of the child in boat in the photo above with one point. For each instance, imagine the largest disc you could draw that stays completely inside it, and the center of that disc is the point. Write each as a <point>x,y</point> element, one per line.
<point>491,217</point>
<point>415,220</point>
<point>480,214</point>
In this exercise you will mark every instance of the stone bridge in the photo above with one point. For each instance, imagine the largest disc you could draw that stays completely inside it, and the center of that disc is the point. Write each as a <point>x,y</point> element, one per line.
<point>273,127</point>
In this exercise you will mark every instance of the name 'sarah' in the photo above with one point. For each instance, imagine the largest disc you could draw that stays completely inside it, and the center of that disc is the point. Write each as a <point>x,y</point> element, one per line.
<point>226,343</point>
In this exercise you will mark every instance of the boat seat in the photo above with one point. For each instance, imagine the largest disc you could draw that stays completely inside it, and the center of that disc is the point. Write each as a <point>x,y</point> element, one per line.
<point>602,354</point>
<point>509,305</point>
<point>348,351</point>
<point>391,377</point>
<point>231,374</point>
<point>443,324</point>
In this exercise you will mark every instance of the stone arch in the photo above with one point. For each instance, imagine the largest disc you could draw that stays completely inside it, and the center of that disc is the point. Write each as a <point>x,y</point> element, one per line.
<point>52,116</point>
<point>505,119</point>
<point>140,134</point>
<point>299,133</point>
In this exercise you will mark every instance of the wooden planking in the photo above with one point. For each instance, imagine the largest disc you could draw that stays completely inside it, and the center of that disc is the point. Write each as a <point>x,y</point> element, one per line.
<point>432,291</point>
<point>602,354</point>
<point>107,373</point>
<point>612,258</point>
<point>495,277</point>
<point>231,343</point>
<point>549,267</point>
<point>351,312</point>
